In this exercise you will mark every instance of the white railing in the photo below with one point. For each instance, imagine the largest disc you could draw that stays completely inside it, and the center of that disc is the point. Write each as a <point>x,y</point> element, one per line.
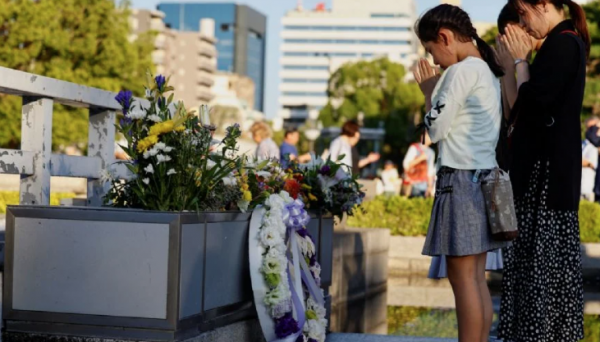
<point>34,161</point>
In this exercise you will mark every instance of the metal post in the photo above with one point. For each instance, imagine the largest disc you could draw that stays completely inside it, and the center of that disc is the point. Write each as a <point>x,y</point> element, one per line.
<point>101,143</point>
<point>36,136</point>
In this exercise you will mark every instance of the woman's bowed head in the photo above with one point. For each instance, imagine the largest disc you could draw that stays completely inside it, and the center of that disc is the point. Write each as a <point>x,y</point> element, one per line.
<point>448,35</point>
<point>539,17</point>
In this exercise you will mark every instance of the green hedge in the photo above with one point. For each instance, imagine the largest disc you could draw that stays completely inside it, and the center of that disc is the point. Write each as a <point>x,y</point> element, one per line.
<point>410,217</point>
<point>12,198</point>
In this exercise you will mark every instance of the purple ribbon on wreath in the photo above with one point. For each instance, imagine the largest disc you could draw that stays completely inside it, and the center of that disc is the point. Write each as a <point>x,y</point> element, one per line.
<point>295,218</point>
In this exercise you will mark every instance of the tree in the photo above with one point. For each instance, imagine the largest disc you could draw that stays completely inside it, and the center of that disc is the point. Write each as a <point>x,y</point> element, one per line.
<point>378,90</point>
<point>81,41</point>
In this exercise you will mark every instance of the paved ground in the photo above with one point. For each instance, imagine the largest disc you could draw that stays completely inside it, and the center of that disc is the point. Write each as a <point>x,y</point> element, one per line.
<point>378,338</point>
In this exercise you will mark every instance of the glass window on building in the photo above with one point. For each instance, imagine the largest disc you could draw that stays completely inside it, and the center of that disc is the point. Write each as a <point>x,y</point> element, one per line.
<point>187,16</point>
<point>255,65</point>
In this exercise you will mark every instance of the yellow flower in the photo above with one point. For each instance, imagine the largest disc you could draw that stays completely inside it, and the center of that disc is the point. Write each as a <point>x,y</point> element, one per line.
<point>311,197</point>
<point>247,196</point>
<point>245,187</point>
<point>161,128</point>
<point>146,143</point>
<point>180,129</point>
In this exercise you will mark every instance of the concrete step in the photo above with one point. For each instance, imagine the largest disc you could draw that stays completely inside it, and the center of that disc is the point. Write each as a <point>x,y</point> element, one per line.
<point>381,338</point>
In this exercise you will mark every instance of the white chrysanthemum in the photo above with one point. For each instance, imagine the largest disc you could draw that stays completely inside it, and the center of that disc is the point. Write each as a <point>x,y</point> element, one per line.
<point>230,181</point>
<point>154,118</point>
<point>160,146</point>
<point>272,265</point>
<point>161,158</point>
<point>168,149</point>
<point>315,329</point>
<point>275,202</point>
<point>287,199</point>
<point>151,152</point>
<point>146,181</point>
<point>276,252</point>
<point>311,304</point>
<point>277,295</point>
<point>263,174</point>
<point>171,172</point>
<point>270,236</point>
<point>243,205</point>
<point>148,93</point>
<point>307,247</point>
<point>136,114</point>
<point>327,182</point>
<point>316,270</point>
<point>210,164</point>
<point>149,169</point>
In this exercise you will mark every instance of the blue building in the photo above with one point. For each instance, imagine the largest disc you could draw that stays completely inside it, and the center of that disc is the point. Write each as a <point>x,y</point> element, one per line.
<point>240,32</point>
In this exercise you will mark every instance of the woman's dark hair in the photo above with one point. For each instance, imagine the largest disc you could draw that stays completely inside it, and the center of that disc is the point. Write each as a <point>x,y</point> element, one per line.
<point>455,19</point>
<point>350,128</point>
<point>508,15</point>
<point>576,12</point>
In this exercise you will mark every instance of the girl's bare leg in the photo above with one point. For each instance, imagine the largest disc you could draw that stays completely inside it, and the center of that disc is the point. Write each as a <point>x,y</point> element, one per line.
<point>462,273</point>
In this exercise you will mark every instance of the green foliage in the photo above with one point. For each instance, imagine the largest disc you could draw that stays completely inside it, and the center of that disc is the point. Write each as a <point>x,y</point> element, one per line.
<point>589,222</point>
<point>377,89</point>
<point>410,217</point>
<point>81,41</point>
<point>12,198</point>
<point>490,36</point>
<point>423,322</point>
<point>591,327</point>
<point>411,321</point>
<point>405,217</point>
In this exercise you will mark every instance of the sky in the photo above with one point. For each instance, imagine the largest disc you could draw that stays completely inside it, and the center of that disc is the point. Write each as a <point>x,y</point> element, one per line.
<point>480,10</point>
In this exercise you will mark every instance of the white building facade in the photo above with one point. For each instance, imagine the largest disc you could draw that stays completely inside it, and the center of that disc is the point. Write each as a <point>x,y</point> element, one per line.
<point>316,43</point>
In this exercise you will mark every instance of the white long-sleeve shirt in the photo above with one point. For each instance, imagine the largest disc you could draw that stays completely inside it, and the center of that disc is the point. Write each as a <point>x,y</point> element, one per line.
<point>340,147</point>
<point>466,116</point>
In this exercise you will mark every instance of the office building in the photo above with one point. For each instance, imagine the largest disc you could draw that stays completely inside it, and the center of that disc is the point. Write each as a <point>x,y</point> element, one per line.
<point>240,32</point>
<point>317,42</point>
<point>189,58</point>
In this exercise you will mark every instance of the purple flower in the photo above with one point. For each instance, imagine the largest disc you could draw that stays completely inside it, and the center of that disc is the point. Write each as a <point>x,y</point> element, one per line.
<point>325,170</point>
<point>304,233</point>
<point>286,326</point>
<point>161,102</point>
<point>313,260</point>
<point>312,340</point>
<point>160,81</point>
<point>124,98</point>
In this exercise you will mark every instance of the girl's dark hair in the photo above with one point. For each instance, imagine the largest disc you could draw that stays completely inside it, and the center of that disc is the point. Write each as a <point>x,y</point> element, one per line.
<point>508,15</point>
<point>576,12</point>
<point>350,128</point>
<point>455,19</point>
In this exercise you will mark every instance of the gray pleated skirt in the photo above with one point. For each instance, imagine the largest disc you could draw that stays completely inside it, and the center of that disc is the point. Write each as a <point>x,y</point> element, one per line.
<point>459,224</point>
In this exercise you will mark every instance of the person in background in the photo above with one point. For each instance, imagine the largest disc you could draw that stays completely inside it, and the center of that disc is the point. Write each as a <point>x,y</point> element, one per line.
<point>288,150</point>
<point>592,136</point>
<point>391,179</point>
<point>419,169</point>
<point>261,134</point>
<point>342,146</point>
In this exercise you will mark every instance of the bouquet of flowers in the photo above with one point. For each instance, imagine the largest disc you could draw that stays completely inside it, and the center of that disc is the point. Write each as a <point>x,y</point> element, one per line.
<point>325,185</point>
<point>170,156</point>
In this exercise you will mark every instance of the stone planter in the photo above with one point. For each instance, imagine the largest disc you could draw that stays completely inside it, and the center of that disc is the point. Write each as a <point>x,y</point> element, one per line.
<point>130,274</point>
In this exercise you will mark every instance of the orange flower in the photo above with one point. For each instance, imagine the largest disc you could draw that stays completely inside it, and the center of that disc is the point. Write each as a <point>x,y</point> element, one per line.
<point>292,187</point>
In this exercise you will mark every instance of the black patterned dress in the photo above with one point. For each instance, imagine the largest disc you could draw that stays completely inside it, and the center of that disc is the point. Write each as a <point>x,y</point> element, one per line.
<point>542,286</point>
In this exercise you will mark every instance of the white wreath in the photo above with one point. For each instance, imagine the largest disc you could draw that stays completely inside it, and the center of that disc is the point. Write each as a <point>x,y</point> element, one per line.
<point>284,272</point>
